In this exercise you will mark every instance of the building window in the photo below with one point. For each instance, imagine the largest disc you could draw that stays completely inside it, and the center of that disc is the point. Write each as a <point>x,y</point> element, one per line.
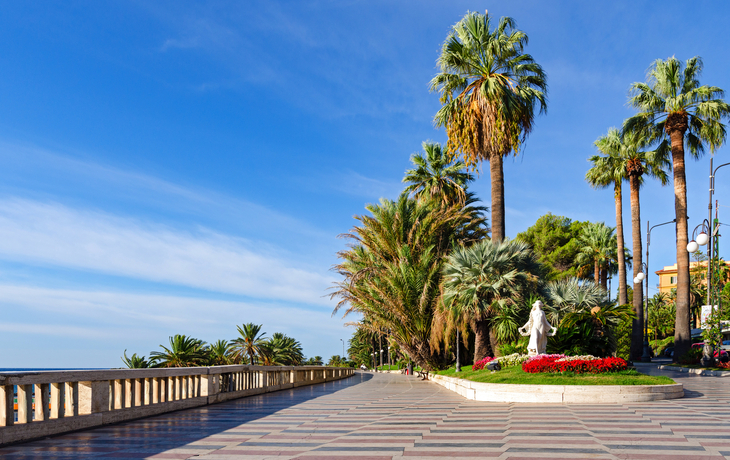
<point>672,280</point>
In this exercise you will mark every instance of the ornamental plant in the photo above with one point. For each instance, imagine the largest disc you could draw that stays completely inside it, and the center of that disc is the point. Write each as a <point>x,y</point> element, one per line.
<point>514,359</point>
<point>579,365</point>
<point>482,363</point>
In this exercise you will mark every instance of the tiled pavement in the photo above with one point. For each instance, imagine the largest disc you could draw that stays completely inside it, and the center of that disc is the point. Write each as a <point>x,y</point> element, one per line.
<point>386,416</point>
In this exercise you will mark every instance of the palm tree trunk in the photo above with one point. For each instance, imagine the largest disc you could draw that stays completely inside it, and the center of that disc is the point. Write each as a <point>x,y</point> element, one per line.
<point>622,297</point>
<point>604,279</point>
<point>496,174</point>
<point>676,125</point>
<point>636,326</point>
<point>596,271</point>
<point>482,345</point>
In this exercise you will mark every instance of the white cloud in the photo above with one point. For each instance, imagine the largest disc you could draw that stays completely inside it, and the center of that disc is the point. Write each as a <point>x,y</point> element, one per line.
<point>52,234</point>
<point>63,323</point>
<point>142,189</point>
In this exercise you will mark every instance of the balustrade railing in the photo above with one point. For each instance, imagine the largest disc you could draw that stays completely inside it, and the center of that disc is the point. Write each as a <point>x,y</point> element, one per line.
<point>35,404</point>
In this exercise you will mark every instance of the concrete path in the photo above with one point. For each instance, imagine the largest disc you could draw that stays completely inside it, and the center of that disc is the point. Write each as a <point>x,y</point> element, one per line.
<point>384,416</point>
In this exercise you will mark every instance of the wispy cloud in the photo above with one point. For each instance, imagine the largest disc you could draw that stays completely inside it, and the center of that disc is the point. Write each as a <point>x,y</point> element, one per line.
<point>42,167</point>
<point>140,322</point>
<point>354,183</point>
<point>52,234</point>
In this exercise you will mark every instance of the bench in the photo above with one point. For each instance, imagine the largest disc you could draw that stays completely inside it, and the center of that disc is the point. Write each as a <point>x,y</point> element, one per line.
<point>423,374</point>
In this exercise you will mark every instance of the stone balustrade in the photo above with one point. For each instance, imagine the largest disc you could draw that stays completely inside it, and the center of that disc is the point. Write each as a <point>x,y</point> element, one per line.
<point>52,402</point>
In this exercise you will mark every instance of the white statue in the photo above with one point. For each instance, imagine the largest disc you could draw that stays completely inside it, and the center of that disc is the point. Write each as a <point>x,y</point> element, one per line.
<point>538,329</point>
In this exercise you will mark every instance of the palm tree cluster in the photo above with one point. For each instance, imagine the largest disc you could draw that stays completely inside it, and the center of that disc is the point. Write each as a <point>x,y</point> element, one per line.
<point>421,267</point>
<point>250,347</point>
<point>674,112</point>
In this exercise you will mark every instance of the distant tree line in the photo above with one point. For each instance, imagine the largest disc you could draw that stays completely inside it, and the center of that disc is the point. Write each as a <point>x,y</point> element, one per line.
<point>250,347</point>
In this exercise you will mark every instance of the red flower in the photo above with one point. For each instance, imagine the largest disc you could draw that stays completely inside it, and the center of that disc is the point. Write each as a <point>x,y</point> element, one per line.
<point>579,366</point>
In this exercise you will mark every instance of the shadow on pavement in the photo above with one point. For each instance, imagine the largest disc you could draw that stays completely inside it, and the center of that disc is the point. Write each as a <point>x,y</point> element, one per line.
<point>155,435</point>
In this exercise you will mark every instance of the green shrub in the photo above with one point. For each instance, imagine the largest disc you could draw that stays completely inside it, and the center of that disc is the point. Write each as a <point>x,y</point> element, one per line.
<point>518,347</point>
<point>693,356</point>
<point>660,345</point>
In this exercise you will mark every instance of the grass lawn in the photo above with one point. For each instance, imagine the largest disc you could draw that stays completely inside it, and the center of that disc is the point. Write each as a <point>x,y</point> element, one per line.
<point>517,376</point>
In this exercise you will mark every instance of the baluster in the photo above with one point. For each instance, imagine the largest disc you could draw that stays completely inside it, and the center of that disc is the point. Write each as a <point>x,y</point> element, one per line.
<point>147,385</point>
<point>138,392</point>
<point>155,397</point>
<point>71,399</point>
<point>128,393</point>
<point>57,400</point>
<point>164,390</point>
<point>119,388</point>
<point>42,410</point>
<point>7,406</point>
<point>176,381</point>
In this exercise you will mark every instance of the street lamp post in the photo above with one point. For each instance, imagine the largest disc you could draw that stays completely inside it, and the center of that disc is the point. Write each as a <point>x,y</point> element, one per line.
<point>389,364</point>
<point>646,356</point>
<point>700,239</point>
<point>381,359</point>
<point>343,348</point>
<point>458,362</point>
<point>714,224</point>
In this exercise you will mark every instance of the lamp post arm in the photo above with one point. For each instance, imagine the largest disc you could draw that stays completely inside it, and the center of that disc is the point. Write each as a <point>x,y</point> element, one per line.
<point>712,177</point>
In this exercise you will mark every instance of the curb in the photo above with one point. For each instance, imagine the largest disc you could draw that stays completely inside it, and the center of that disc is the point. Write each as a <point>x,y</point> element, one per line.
<point>582,394</point>
<point>690,370</point>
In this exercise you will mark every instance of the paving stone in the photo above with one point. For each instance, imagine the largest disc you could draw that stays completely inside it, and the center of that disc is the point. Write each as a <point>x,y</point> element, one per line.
<point>386,416</point>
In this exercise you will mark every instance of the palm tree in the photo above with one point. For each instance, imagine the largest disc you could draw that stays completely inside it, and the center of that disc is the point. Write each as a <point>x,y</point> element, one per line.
<point>392,272</point>
<point>282,350</point>
<point>184,351</point>
<point>606,171</point>
<point>249,343</point>
<point>134,361</point>
<point>220,353</point>
<point>489,90</point>
<point>675,110</point>
<point>484,278</point>
<point>635,162</point>
<point>572,294</point>
<point>597,244</point>
<point>436,176</point>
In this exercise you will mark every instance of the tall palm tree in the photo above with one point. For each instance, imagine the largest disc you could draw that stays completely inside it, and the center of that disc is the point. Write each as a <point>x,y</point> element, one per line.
<point>675,110</point>
<point>489,90</point>
<point>249,343</point>
<point>635,162</point>
<point>184,351</point>
<point>606,171</point>
<point>484,278</point>
<point>436,176</point>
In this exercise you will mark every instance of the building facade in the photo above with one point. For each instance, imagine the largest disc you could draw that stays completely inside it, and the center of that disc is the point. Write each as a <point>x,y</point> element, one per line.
<point>668,275</point>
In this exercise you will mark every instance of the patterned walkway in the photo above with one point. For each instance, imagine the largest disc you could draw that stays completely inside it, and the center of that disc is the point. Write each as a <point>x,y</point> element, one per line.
<point>382,416</point>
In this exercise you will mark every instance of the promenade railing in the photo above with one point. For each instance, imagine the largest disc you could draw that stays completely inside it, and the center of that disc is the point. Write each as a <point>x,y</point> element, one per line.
<point>53,402</point>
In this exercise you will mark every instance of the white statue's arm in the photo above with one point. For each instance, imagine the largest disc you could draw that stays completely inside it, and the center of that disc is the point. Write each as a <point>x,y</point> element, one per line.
<point>553,331</point>
<point>522,331</point>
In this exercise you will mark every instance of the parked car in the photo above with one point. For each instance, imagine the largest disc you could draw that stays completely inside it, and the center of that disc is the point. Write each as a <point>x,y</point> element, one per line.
<point>669,352</point>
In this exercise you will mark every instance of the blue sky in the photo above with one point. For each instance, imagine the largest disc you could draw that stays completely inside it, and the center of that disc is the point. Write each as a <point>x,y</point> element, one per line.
<point>184,167</point>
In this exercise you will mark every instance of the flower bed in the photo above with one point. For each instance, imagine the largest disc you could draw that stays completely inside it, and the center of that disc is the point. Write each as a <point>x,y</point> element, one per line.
<point>577,364</point>
<point>504,361</point>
